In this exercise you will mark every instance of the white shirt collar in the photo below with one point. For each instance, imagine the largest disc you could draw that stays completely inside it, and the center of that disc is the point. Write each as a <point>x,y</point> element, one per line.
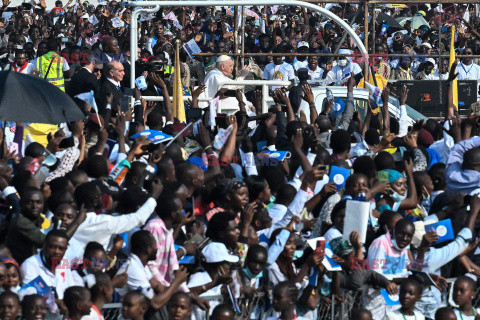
<point>116,83</point>
<point>88,70</point>
<point>42,265</point>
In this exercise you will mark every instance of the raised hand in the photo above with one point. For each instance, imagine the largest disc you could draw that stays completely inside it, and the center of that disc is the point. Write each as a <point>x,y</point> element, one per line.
<point>308,94</point>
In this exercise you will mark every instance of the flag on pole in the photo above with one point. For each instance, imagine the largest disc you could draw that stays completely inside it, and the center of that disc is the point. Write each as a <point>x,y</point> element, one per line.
<point>89,98</point>
<point>375,94</point>
<point>452,60</point>
<point>178,106</point>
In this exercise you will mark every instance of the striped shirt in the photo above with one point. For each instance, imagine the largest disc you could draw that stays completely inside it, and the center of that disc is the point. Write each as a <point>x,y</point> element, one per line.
<point>166,263</point>
<point>385,259</point>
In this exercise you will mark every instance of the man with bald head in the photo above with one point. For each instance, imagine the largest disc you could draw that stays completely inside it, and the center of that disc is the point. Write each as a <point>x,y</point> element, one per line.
<point>191,176</point>
<point>111,51</point>
<point>113,73</point>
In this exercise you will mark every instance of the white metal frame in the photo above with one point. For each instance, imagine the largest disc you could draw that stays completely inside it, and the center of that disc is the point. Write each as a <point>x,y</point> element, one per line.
<point>154,6</point>
<point>264,83</point>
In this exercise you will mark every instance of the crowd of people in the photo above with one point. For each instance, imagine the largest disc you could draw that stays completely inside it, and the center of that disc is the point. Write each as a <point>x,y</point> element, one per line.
<point>211,221</point>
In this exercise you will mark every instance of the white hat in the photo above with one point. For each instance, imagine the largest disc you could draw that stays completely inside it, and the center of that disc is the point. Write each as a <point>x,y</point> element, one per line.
<point>426,44</point>
<point>223,58</point>
<point>217,252</point>
<point>303,44</point>
<point>344,51</point>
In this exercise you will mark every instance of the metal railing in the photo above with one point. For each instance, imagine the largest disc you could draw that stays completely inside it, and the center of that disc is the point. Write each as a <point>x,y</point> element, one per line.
<point>264,83</point>
<point>325,311</point>
<point>154,6</point>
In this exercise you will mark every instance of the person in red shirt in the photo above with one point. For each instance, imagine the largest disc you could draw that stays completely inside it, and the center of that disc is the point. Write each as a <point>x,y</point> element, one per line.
<point>57,9</point>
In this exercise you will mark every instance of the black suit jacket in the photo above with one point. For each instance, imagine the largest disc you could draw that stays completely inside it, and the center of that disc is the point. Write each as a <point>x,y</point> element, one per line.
<point>83,81</point>
<point>101,98</point>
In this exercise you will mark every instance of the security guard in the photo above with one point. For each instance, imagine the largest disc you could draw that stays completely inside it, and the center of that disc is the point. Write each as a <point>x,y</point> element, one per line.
<point>53,67</point>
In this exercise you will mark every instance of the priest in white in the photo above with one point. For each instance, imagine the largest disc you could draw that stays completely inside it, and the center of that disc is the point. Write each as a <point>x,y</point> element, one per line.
<point>223,72</point>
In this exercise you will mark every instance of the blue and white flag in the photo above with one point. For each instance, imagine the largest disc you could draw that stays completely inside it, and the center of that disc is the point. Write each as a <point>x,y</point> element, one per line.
<point>375,94</point>
<point>443,229</point>
<point>89,98</point>
<point>390,299</point>
<point>384,29</point>
<point>278,155</point>
<point>154,136</point>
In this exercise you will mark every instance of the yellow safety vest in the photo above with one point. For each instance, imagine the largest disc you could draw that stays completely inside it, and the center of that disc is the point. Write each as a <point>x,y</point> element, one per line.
<point>168,70</point>
<point>55,74</point>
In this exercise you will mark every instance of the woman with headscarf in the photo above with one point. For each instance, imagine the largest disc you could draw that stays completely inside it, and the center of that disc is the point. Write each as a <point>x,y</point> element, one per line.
<point>399,196</point>
<point>229,195</point>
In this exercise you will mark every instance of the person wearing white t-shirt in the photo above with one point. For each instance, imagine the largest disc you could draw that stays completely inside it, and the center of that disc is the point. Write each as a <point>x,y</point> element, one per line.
<point>410,293</point>
<point>143,248</point>
<point>441,73</point>
<point>301,61</point>
<point>464,291</point>
<point>217,261</point>
<point>20,63</point>
<point>314,71</point>
<point>50,264</point>
<point>278,70</point>
<point>467,70</point>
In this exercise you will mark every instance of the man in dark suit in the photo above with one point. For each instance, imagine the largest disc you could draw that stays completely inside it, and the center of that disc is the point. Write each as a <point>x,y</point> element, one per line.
<point>84,80</point>
<point>113,73</point>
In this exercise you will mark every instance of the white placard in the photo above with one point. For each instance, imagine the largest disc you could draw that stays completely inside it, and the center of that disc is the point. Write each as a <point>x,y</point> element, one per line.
<point>356,219</point>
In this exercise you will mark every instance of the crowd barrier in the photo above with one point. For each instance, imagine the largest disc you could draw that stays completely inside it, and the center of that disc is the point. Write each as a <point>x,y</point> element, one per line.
<point>332,311</point>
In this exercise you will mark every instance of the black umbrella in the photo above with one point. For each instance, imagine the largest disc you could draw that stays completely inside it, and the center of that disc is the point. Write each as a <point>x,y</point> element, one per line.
<point>382,18</point>
<point>25,98</point>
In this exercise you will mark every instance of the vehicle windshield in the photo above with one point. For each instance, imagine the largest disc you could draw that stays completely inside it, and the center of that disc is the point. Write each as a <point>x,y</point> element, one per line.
<point>412,113</point>
<point>362,104</point>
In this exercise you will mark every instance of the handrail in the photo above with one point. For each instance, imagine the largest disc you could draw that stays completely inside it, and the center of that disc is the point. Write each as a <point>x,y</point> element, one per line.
<point>201,3</point>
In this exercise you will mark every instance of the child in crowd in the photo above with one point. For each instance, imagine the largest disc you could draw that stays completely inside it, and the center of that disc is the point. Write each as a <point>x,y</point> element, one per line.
<point>410,292</point>
<point>445,313</point>
<point>361,314</point>
<point>222,312</point>
<point>12,282</point>
<point>338,218</point>
<point>252,279</point>
<point>102,293</point>
<point>134,305</point>
<point>9,306</point>
<point>34,307</point>
<point>285,296</point>
<point>78,302</point>
<point>464,291</point>
<point>179,307</point>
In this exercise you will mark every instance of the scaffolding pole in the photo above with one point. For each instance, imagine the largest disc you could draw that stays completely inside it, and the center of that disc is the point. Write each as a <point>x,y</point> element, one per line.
<point>366,71</point>
<point>354,55</point>
<point>406,2</point>
<point>198,3</point>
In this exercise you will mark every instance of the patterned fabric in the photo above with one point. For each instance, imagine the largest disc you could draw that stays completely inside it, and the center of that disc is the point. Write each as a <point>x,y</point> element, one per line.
<point>384,70</point>
<point>66,164</point>
<point>212,212</point>
<point>385,259</point>
<point>325,213</point>
<point>419,161</point>
<point>166,263</point>
<point>400,74</point>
